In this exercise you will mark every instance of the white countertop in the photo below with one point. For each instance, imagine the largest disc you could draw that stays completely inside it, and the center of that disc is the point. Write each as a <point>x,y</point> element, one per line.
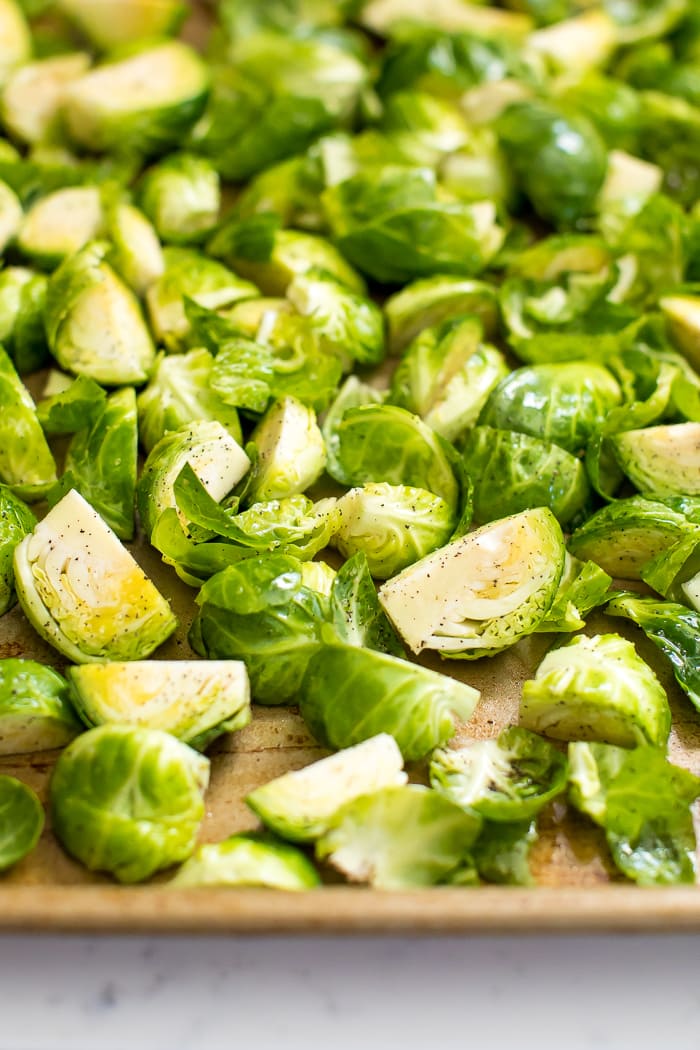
<point>355,994</point>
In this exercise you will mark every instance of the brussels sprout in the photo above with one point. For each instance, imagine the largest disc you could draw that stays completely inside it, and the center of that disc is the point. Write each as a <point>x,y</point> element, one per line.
<point>136,253</point>
<point>83,592</point>
<point>393,525</point>
<point>33,95</point>
<point>70,405</point>
<point>114,22</point>
<point>128,800</point>
<point>393,225</point>
<point>181,196</point>
<point>10,215</point>
<point>612,106</point>
<point>318,576</point>
<point>21,816</point>
<point>597,689</point>
<point>189,275</point>
<point>179,393</point>
<point>423,128</point>
<point>357,615</point>
<point>671,137</point>
<point>563,403</point>
<point>675,573</point>
<point>674,629</point>
<point>291,452</point>
<point>60,224</point>
<point>26,463</point>
<point>290,189</point>
<point>350,694</point>
<point>662,460</point>
<point>583,586</point>
<point>16,522</point>
<point>429,302</point>
<point>195,701</point>
<point>217,460</point>
<point>510,778</point>
<point>301,805</point>
<point>480,593</point>
<point>682,314</point>
<point>578,44</point>
<point>643,803</point>
<point>446,376</point>
<point>349,325</point>
<point>558,158</point>
<point>259,611</point>
<point>352,394</point>
<point>629,184</point>
<point>512,472</point>
<point>501,853</point>
<point>22,303</point>
<point>384,443</point>
<point>399,837</point>
<point>478,171</point>
<point>394,17</point>
<point>248,860</point>
<point>106,108</point>
<point>93,321</point>
<point>35,708</point>
<point>272,258</point>
<point>16,39</point>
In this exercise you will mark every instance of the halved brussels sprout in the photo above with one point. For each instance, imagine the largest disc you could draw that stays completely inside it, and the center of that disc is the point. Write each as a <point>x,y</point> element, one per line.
<point>112,23</point>
<point>563,403</point>
<point>217,460</point>
<point>190,275</point>
<point>10,215</point>
<point>16,39</point>
<point>512,472</point>
<point>483,592</point>
<point>248,860</point>
<point>136,253</point>
<point>597,689</point>
<point>83,592</point>
<point>35,709</point>
<point>181,196</point>
<point>16,522</point>
<point>179,393</point>
<point>399,837</point>
<point>33,96</point>
<point>194,700</point>
<point>625,535</point>
<point>301,805</point>
<point>291,452</point>
<point>22,304</point>
<point>433,300</point>
<point>682,313</point>
<point>108,109</point>
<point>21,817</point>
<point>508,778</point>
<point>26,462</point>
<point>94,323</point>
<point>128,800</point>
<point>661,460</point>
<point>60,224</point>
<point>350,694</point>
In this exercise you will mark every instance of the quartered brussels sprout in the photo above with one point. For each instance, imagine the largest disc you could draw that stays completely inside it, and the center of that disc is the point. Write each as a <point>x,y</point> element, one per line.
<point>661,460</point>
<point>36,713</point>
<point>16,39</point>
<point>512,472</point>
<point>107,108</point>
<point>128,800</point>
<point>22,303</point>
<point>217,460</point>
<point>10,215</point>
<point>301,805</point>
<point>291,452</point>
<point>21,818</point>
<point>190,275</point>
<point>83,592</point>
<point>179,393</point>
<point>350,694</point>
<point>181,196</point>
<point>446,375</point>
<point>510,778</point>
<point>94,323</point>
<point>16,522</point>
<point>563,403</point>
<point>597,689</point>
<point>33,96</point>
<point>112,23</point>
<point>480,593</point>
<point>625,535</point>
<point>393,525</point>
<point>194,700</point>
<point>60,224</point>
<point>433,300</point>
<point>399,837</point>
<point>26,463</point>
<point>248,860</point>
<point>136,253</point>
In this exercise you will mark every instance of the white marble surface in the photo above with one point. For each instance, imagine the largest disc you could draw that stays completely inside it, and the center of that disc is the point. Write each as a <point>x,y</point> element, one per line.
<point>370,994</point>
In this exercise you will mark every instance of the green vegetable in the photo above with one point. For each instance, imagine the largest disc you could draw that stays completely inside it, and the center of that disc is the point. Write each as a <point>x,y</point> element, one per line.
<point>181,196</point>
<point>26,463</point>
<point>433,300</point>
<point>136,253</point>
<point>676,573</point>
<point>248,860</point>
<point>111,23</point>
<point>290,451</point>
<point>22,302</point>
<point>357,615</point>
<point>128,800</point>
<point>33,95</point>
<point>583,586</point>
<point>60,224</point>
<point>661,460</point>
<point>21,818</point>
<point>16,522</point>
<point>36,713</point>
<point>501,852</point>
<point>77,404</point>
